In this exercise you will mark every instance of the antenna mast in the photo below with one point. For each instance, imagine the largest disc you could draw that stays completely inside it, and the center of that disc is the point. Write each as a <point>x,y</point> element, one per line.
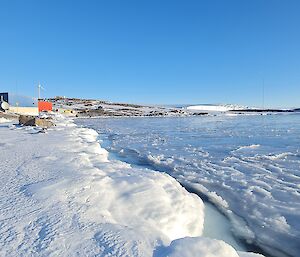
<point>39,90</point>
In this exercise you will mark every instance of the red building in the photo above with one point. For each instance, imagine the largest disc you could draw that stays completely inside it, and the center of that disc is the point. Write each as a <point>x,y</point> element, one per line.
<point>44,106</point>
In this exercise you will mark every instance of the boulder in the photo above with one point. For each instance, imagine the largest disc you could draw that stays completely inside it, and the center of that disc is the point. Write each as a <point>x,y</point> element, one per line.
<point>27,120</point>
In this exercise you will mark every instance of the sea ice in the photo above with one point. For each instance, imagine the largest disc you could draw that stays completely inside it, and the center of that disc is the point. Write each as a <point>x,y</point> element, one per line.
<point>248,166</point>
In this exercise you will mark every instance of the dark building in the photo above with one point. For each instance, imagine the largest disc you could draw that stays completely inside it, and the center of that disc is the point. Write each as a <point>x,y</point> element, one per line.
<point>4,97</point>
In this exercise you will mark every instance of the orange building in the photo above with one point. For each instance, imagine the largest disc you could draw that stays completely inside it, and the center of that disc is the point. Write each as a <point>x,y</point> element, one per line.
<point>44,106</point>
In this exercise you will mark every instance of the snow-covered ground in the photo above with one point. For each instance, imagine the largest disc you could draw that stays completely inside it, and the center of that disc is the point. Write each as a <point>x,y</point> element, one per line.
<point>4,120</point>
<point>248,166</point>
<point>60,195</point>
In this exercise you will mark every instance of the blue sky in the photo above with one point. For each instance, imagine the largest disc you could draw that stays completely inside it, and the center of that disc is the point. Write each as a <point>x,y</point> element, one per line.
<point>153,51</point>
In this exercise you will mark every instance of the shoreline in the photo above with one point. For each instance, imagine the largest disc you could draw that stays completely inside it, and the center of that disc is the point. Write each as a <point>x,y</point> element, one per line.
<point>160,158</point>
<point>242,243</point>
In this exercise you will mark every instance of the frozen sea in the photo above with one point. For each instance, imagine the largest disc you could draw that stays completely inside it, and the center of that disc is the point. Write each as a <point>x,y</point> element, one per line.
<point>247,166</point>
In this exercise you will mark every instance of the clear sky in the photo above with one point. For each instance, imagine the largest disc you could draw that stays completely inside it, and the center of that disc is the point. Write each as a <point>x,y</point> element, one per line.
<point>155,51</point>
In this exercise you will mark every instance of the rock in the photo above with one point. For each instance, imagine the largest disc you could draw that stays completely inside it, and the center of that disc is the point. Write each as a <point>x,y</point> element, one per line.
<point>200,113</point>
<point>43,123</point>
<point>27,120</point>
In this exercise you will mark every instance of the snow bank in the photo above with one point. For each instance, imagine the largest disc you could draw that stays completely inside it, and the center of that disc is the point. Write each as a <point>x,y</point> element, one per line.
<point>63,196</point>
<point>202,247</point>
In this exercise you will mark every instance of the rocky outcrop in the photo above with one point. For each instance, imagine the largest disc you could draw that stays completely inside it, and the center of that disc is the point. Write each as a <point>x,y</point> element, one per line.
<point>27,120</point>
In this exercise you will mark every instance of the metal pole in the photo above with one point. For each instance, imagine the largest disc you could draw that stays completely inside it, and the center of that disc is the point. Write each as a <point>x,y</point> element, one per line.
<point>39,88</point>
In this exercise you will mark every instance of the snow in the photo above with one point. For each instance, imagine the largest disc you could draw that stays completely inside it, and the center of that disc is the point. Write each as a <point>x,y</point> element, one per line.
<point>203,247</point>
<point>4,120</point>
<point>215,108</point>
<point>62,195</point>
<point>247,166</point>
<point>217,226</point>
